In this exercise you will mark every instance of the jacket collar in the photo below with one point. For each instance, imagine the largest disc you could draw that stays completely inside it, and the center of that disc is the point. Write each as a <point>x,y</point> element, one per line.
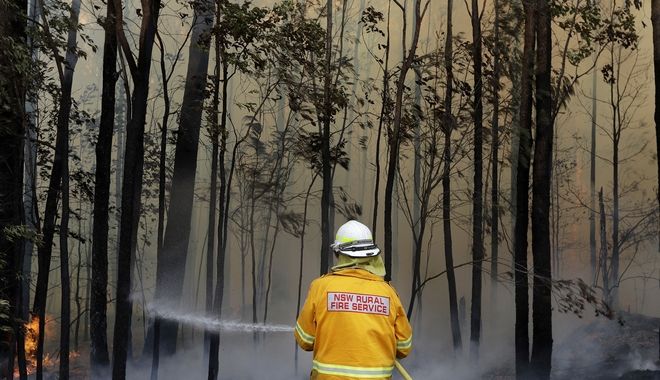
<point>358,273</point>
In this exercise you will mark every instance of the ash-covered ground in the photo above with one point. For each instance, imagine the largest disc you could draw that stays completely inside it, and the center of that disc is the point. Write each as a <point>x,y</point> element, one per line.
<point>625,347</point>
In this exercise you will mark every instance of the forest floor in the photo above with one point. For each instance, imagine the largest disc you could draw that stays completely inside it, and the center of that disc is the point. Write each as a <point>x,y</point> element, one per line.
<point>622,348</point>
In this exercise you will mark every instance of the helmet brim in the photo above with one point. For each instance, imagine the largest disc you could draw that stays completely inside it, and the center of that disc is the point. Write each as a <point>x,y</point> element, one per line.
<point>361,253</point>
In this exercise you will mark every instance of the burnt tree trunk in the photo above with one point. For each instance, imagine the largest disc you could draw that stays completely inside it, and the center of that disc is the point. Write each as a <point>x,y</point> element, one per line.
<point>172,261</point>
<point>99,356</point>
<point>592,176</point>
<point>604,255</point>
<point>65,279</point>
<point>655,20</point>
<point>395,138</point>
<point>215,134</point>
<point>495,141</point>
<point>223,218</point>
<point>381,121</point>
<point>448,128</point>
<point>326,174</point>
<point>132,184</point>
<point>522,195</point>
<point>542,300</point>
<point>477,193</point>
<point>12,132</point>
<point>65,70</point>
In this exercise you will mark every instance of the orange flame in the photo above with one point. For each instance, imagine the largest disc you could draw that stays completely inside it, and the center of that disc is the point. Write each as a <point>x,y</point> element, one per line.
<point>31,329</point>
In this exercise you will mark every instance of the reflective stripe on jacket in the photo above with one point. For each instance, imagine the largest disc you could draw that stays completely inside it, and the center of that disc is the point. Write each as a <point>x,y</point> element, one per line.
<point>355,324</point>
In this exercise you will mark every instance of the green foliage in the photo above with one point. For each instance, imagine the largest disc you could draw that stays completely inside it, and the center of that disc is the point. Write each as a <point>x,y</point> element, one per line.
<point>252,38</point>
<point>308,147</point>
<point>572,296</point>
<point>15,234</point>
<point>589,30</point>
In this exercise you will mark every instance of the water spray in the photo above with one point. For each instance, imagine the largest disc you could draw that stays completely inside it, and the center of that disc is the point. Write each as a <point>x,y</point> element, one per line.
<point>210,323</point>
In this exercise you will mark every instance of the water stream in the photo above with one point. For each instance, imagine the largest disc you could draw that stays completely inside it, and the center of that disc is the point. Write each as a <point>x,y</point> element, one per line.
<point>210,323</point>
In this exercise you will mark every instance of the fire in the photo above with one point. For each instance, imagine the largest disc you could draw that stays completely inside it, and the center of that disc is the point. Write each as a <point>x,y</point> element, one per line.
<point>31,337</point>
<point>31,329</point>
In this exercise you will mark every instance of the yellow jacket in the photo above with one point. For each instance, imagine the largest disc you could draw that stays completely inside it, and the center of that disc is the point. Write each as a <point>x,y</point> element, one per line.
<point>354,322</point>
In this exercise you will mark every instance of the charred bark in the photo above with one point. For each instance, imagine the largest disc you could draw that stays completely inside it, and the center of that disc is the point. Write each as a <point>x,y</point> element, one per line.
<point>522,195</point>
<point>65,71</point>
<point>99,356</point>
<point>446,183</point>
<point>326,165</point>
<point>385,99</point>
<point>223,220</point>
<point>495,141</point>
<point>65,281</point>
<point>132,183</point>
<point>12,133</point>
<point>604,255</point>
<point>477,193</point>
<point>395,138</point>
<point>655,21</point>
<point>172,261</point>
<point>542,301</point>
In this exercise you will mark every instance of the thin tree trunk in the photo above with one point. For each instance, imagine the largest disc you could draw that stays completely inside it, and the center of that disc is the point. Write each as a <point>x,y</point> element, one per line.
<point>325,147</point>
<point>514,155</point>
<point>302,256</point>
<point>172,262</point>
<point>603,247</point>
<point>88,276</point>
<point>78,298</point>
<point>542,300</point>
<point>99,356</point>
<point>616,138</point>
<point>65,281</point>
<point>592,178</point>
<point>655,21</point>
<point>522,195</point>
<point>381,121</point>
<point>30,178</point>
<point>132,185</point>
<point>495,141</point>
<point>45,251</point>
<point>215,133</point>
<point>210,251</point>
<point>362,172</point>
<point>223,220</point>
<point>477,196</point>
<point>417,236</point>
<point>253,251</point>
<point>446,183</point>
<point>150,347</point>
<point>152,342</point>
<point>282,178</point>
<point>394,139</point>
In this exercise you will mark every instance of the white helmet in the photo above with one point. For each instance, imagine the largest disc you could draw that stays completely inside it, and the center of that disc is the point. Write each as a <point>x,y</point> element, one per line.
<point>354,239</point>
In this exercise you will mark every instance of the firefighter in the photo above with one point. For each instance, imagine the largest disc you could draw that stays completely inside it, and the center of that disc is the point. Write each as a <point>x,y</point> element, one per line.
<point>352,319</point>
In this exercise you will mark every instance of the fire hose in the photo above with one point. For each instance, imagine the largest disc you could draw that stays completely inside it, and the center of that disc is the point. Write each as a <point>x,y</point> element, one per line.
<point>402,370</point>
